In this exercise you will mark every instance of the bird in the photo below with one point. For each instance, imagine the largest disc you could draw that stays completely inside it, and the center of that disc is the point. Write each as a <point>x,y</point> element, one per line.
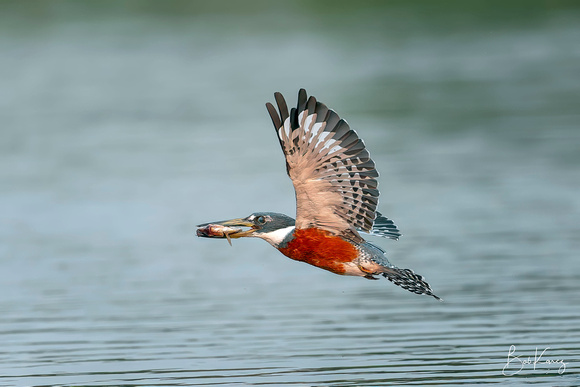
<point>336,188</point>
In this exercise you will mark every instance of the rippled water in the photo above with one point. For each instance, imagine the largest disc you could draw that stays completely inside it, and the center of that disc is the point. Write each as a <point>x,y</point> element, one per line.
<point>124,127</point>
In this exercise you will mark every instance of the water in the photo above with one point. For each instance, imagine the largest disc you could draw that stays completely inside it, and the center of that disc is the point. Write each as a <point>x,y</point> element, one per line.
<point>125,126</point>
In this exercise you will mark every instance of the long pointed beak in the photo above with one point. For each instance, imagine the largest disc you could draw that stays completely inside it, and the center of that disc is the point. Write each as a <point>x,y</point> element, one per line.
<point>233,228</point>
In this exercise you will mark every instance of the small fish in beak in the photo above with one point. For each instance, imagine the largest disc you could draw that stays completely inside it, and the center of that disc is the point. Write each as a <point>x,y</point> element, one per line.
<point>227,229</point>
<point>217,231</point>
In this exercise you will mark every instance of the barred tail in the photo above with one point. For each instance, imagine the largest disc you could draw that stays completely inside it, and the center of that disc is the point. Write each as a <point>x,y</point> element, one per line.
<point>409,280</point>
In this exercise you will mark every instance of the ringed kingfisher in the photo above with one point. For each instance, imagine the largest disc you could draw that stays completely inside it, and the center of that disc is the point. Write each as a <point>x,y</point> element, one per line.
<point>336,191</point>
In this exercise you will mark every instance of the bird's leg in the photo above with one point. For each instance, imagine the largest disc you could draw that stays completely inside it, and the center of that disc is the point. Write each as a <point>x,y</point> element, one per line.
<point>369,274</point>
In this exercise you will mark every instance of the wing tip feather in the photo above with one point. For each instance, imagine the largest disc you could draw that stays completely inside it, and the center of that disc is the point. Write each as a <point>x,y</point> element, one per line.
<point>274,115</point>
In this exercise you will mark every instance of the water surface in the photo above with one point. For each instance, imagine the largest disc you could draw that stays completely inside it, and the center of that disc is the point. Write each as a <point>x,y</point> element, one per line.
<point>124,127</point>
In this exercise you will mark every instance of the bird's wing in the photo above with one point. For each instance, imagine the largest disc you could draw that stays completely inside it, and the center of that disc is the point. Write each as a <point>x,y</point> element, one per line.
<point>384,227</point>
<point>332,172</point>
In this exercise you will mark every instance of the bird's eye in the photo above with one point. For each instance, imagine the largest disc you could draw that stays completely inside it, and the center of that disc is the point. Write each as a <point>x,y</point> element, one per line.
<point>261,220</point>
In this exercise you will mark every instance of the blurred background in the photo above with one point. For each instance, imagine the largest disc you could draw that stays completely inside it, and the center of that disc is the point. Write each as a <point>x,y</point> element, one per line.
<point>126,123</point>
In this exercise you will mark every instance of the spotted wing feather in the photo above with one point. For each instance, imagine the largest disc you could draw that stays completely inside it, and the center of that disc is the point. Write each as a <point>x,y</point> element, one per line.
<point>332,172</point>
<point>384,227</point>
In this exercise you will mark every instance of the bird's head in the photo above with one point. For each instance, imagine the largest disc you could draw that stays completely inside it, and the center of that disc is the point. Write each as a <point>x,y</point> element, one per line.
<point>270,226</point>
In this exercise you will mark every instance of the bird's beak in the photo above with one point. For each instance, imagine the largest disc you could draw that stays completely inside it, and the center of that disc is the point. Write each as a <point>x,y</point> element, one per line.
<point>233,228</point>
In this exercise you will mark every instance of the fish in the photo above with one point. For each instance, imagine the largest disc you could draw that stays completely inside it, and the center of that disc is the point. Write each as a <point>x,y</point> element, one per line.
<point>217,231</point>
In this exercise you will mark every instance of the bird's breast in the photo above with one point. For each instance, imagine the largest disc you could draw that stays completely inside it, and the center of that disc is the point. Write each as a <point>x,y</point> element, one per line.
<point>322,249</point>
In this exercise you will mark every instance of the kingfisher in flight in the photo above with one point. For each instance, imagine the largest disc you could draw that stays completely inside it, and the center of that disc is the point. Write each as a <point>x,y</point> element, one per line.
<point>336,187</point>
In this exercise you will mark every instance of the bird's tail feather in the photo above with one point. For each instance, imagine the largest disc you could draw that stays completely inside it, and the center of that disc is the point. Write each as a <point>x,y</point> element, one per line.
<point>409,280</point>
